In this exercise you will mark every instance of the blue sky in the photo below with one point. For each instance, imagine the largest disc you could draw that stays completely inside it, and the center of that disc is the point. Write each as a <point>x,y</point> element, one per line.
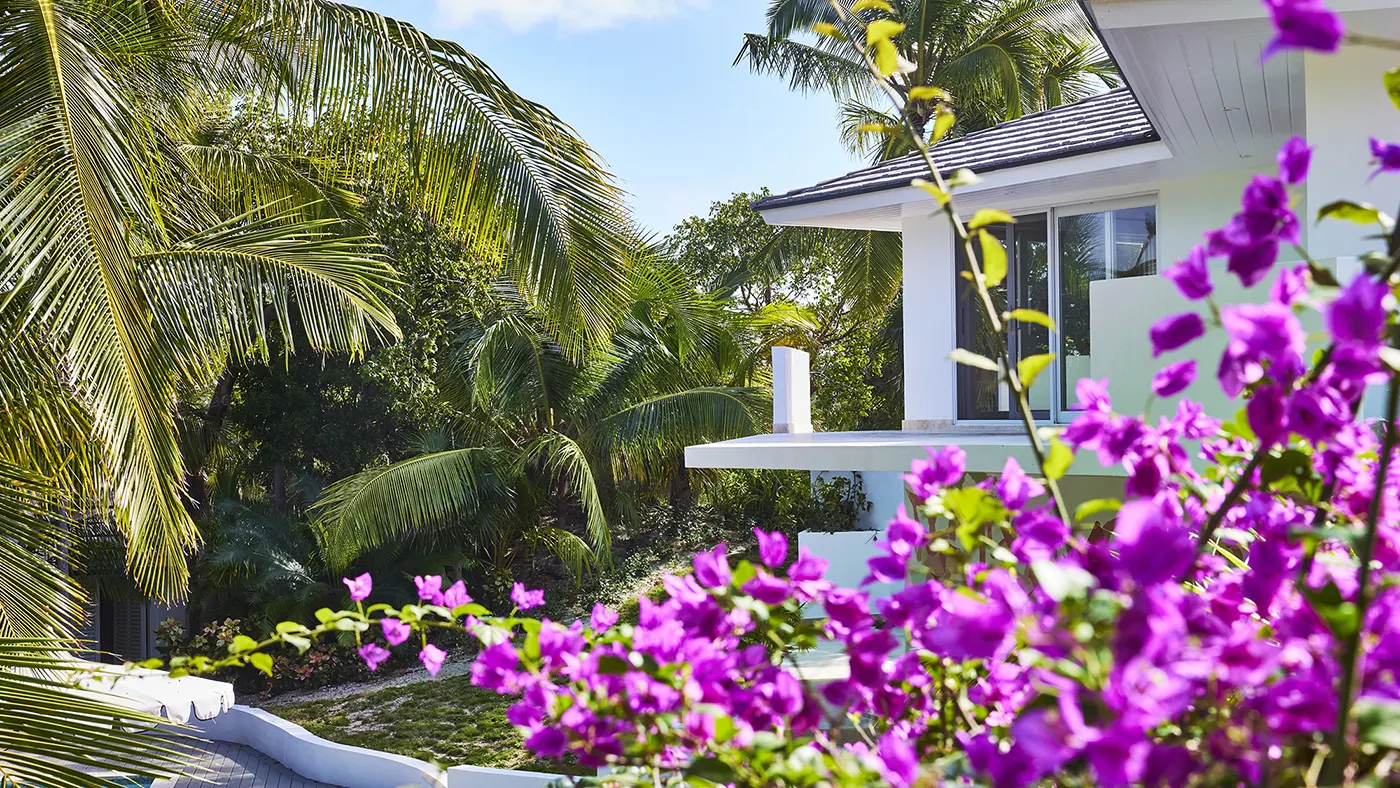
<point>649,84</point>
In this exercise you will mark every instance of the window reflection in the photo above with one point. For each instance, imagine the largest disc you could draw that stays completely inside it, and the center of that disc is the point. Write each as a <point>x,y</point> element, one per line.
<point>1096,246</point>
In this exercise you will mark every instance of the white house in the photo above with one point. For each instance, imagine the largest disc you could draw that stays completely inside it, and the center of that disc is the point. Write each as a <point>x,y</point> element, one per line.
<point>1108,193</point>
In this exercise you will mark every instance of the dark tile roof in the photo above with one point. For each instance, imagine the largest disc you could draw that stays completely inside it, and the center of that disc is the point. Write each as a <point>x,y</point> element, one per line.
<point>1103,122</point>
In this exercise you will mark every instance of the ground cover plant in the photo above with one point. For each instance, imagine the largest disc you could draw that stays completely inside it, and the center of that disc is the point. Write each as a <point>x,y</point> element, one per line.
<point>448,722</point>
<point>1240,624</point>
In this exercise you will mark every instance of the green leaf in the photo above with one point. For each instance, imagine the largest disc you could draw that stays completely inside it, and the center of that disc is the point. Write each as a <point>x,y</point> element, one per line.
<point>990,216</point>
<point>969,359</point>
<point>743,573</point>
<point>877,37</point>
<point>1293,463</point>
<point>301,644</point>
<point>993,259</point>
<point>829,30</point>
<point>928,93</point>
<point>1391,357</point>
<point>1391,79</point>
<point>973,508</point>
<point>943,122</point>
<point>962,177</point>
<point>1341,616</point>
<point>261,661</point>
<point>1030,367</point>
<point>1321,276</point>
<point>1031,316</point>
<point>610,665</point>
<point>1058,460</point>
<point>936,193</point>
<point>1378,721</point>
<point>1097,506</point>
<point>1355,212</point>
<point>1061,582</point>
<point>242,644</point>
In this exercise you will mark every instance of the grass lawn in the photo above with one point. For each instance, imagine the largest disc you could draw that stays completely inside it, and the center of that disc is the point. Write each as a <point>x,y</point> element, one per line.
<point>448,722</point>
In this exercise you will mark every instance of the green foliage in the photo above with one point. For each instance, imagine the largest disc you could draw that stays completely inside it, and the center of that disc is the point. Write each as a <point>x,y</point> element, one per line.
<point>991,61</point>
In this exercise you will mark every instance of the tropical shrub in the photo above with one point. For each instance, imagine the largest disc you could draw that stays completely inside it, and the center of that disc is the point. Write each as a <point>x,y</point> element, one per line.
<point>1240,625</point>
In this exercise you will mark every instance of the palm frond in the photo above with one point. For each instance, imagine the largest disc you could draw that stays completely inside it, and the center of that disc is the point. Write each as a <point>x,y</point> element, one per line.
<point>503,172</point>
<point>662,426</point>
<point>37,598</point>
<point>75,185</point>
<point>213,291</point>
<point>806,67</point>
<point>561,457</point>
<point>364,511</point>
<point>54,734</point>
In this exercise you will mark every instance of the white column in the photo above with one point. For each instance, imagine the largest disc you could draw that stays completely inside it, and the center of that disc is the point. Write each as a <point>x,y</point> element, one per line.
<point>792,390</point>
<point>1346,106</point>
<point>930,320</point>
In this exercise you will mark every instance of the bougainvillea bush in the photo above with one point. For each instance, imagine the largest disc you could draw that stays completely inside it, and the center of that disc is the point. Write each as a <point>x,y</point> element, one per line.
<point>1238,624</point>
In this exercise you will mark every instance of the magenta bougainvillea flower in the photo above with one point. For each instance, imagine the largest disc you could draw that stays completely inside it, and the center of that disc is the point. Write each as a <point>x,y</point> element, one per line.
<point>524,599</point>
<point>432,658</point>
<point>1304,24</point>
<point>1174,378</point>
<point>1294,160</point>
<point>1192,275</point>
<point>943,468</point>
<point>712,568</point>
<point>429,588</point>
<point>360,587</point>
<point>772,548</point>
<point>1385,155</point>
<point>374,655</point>
<point>455,596</point>
<point>396,631</point>
<point>1176,331</point>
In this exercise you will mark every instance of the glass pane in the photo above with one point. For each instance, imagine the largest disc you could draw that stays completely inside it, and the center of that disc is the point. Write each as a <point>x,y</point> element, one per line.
<point>980,393</point>
<point>1083,259</point>
<point>1134,242</point>
<point>1032,271</point>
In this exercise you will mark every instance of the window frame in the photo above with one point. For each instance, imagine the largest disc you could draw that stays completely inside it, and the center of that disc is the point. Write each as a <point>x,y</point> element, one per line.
<point>1053,214</point>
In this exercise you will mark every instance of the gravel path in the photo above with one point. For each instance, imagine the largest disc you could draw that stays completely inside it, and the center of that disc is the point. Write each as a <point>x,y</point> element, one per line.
<point>338,691</point>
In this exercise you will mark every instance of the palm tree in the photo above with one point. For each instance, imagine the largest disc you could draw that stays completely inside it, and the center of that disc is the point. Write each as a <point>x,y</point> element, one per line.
<point>139,258</point>
<point>997,58</point>
<point>547,451</point>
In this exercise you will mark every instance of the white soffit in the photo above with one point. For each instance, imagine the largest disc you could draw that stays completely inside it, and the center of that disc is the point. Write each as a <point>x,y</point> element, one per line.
<point>1207,91</point>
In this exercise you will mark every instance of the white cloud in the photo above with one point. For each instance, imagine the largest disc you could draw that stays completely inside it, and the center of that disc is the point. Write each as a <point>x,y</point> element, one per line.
<point>520,15</point>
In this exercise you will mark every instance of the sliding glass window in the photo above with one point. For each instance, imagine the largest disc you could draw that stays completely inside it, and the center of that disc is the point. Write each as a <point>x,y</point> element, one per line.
<point>981,395</point>
<point>1088,244</point>
<point>1094,246</point>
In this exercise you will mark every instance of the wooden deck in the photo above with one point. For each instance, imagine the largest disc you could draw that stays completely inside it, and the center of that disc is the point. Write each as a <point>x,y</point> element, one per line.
<point>224,765</point>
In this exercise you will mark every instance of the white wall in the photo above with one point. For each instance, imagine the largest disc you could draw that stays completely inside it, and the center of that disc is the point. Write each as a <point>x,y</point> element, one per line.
<point>315,758</point>
<point>1188,207</point>
<point>482,777</point>
<point>929,322</point>
<point>1124,310</point>
<point>1347,104</point>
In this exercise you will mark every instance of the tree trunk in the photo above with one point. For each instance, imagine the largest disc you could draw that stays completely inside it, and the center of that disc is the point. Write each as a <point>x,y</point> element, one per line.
<point>279,485</point>
<point>197,475</point>
<point>681,493</point>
